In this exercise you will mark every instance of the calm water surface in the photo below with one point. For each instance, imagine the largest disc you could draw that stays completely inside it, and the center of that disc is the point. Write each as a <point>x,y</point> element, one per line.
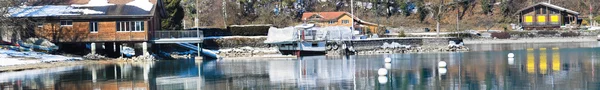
<point>550,66</point>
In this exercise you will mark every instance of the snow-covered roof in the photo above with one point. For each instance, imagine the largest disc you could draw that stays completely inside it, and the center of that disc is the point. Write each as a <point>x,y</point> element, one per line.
<point>40,11</point>
<point>93,7</point>
<point>143,4</point>
<point>94,3</point>
<point>551,6</point>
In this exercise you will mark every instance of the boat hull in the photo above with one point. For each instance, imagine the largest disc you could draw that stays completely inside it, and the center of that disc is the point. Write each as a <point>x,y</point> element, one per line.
<point>302,53</point>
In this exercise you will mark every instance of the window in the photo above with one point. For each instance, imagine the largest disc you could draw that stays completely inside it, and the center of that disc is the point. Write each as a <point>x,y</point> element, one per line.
<point>125,26</point>
<point>345,21</point>
<point>66,23</point>
<point>94,27</point>
<point>40,25</point>
<point>544,11</point>
<point>331,22</point>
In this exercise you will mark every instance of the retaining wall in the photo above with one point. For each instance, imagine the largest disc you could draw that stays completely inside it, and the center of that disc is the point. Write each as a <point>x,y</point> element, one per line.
<point>371,44</point>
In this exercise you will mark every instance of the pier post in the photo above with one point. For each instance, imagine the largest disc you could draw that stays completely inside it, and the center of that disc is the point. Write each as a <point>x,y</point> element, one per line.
<point>145,49</point>
<point>94,74</point>
<point>93,48</point>
<point>199,50</point>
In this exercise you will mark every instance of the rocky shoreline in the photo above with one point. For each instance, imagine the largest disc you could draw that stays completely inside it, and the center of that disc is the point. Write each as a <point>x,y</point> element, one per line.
<point>532,40</point>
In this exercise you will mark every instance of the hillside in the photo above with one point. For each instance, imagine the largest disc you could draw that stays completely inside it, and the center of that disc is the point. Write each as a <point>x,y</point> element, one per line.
<point>473,14</point>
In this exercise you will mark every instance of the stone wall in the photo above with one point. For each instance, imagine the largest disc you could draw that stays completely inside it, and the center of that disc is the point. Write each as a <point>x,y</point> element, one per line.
<point>235,42</point>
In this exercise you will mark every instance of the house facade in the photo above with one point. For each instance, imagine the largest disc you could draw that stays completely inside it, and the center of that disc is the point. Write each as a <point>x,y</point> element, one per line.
<point>94,20</point>
<point>547,16</point>
<point>324,19</point>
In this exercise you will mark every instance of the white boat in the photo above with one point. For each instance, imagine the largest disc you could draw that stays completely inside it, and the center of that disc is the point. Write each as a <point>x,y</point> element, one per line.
<point>306,39</point>
<point>128,51</point>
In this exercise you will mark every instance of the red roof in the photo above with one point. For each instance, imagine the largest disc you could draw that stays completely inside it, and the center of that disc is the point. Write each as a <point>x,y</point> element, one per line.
<point>324,15</point>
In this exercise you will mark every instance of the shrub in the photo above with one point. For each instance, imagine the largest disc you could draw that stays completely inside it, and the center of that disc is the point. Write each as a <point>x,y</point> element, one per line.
<point>501,35</point>
<point>569,34</point>
<point>461,35</point>
<point>519,34</point>
<point>547,32</point>
<point>401,34</point>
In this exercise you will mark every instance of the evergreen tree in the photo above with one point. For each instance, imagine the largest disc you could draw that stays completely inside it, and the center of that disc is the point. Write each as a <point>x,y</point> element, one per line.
<point>175,14</point>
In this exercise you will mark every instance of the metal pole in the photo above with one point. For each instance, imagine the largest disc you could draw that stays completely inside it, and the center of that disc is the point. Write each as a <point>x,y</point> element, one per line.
<point>591,16</point>
<point>437,27</point>
<point>458,22</point>
<point>224,13</point>
<point>352,16</point>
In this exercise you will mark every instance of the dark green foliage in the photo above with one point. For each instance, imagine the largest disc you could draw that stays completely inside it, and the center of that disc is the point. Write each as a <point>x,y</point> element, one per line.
<point>249,31</point>
<point>404,8</point>
<point>485,6</point>
<point>520,34</point>
<point>547,32</point>
<point>501,35</point>
<point>569,34</point>
<point>423,14</point>
<point>401,34</point>
<point>175,14</point>
<point>462,35</point>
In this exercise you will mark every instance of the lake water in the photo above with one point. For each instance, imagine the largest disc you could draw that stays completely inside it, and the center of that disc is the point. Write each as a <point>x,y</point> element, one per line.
<point>559,66</point>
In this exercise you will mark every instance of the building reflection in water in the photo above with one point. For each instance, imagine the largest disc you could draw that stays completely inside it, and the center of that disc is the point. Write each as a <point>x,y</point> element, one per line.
<point>533,68</point>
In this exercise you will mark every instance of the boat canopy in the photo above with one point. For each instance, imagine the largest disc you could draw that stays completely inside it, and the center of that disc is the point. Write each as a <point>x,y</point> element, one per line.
<point>293,34</point>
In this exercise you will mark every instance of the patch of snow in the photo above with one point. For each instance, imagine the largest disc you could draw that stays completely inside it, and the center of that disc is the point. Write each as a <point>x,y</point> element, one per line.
<point>10,58</point>
<point>93,3</point>
<point>394,45</point>
<point>40,11</point>
<point>87,11</point>
<point>143,4</point>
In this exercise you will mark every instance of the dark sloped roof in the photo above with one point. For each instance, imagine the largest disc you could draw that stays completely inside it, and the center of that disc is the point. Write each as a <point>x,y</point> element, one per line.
<point>551,6</point>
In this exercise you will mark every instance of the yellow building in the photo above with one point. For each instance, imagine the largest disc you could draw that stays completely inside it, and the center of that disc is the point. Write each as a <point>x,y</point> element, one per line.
<point>324,19</point>
<point>547,16</point>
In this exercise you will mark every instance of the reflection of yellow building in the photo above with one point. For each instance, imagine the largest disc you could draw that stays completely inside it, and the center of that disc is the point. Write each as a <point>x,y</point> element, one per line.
<point>530,61</point>
<point>543,61</point>
<point>555,59</point>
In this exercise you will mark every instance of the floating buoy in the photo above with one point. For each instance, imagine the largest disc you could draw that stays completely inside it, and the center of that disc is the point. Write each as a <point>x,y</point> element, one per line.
<point>511,55</point>
<point>388,65</point>
<point>442,71</point>
<point>382,71</point>
<point>382,79</point>
<point>442,64</point>
<point>387,60</point>
<point>511,61</point>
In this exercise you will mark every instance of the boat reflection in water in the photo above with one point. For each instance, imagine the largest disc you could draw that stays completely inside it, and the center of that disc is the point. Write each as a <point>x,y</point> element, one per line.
<point>532,68</point>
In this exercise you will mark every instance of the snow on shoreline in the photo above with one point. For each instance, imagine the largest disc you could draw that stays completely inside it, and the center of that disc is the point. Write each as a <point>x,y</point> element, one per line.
<point>10,58</point>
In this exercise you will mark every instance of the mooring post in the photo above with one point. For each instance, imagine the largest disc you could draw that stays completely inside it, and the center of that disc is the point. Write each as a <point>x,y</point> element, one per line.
<point>145,49</point>
<point>199,50</point>
<point>93,48</point>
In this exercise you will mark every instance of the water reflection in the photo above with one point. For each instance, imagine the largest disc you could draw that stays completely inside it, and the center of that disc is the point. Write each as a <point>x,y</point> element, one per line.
<point>531,68</point>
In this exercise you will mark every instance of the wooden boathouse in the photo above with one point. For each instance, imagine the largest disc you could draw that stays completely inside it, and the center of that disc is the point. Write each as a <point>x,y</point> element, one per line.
<point>547,16</point>
<point>104,23</point>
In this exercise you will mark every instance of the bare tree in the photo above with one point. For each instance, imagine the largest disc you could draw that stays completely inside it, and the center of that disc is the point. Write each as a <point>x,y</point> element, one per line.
<point>14,28</point>
<point>487,24</point>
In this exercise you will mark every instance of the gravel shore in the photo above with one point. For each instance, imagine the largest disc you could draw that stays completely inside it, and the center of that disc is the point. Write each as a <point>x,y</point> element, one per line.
<point>532,40</point>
